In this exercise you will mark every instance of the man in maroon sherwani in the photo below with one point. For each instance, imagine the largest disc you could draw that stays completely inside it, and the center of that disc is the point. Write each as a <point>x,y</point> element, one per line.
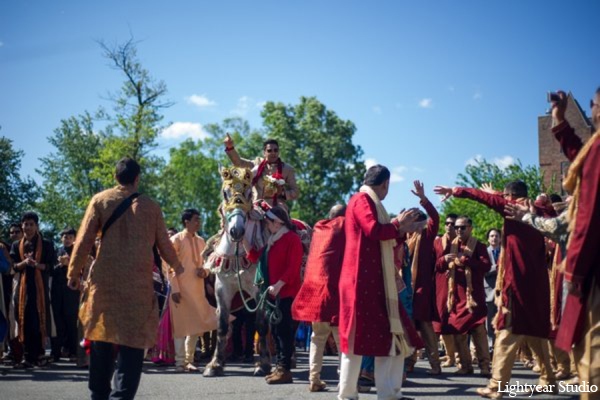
<point>580,325</point>
<point>466,261</point>
<point>318,300</point>
<point>522,288</point>
<point>423,270</point>
<point>372,320</point>
<point>441,289</point>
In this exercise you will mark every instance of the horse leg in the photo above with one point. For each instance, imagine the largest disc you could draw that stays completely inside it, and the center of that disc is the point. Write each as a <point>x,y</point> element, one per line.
<point>263,367</point>
<point>216,366</point>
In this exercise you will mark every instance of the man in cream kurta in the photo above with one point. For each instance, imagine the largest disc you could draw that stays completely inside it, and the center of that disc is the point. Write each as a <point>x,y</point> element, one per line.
<point>191,314</point>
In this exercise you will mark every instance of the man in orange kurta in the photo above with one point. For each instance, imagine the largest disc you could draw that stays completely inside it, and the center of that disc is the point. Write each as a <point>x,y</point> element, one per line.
<point>191,313</point>
<point>120,307</point>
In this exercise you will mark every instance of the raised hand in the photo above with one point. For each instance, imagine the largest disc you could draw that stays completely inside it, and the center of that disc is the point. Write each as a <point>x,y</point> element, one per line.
<point>406,218</point>
<point>228,141</point>
<point>516,211</point>
<point>488,188</point>
<point>419,190</point>
<point>444,191</point>
<point>559,107</point>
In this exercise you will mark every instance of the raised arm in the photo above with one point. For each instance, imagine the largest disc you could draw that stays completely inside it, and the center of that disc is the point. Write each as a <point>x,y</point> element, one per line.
<point>367,220</point>
<point>234,156</point>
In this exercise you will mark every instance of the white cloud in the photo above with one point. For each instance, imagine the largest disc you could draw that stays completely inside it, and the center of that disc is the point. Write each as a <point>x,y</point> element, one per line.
<point>418,169</point>
<point>502,162</point>
<point>243,106</point>
<point>426,103</point>
<point>1,44</point>
<point>377,110</point>
<point>477,96</point>
<point>399,105</point>
<point>369,162</point>
<point>261,104</point>
<point>184,130</point>
<point>200,101</point>
<point>451,88</point>
<point>397,174</point>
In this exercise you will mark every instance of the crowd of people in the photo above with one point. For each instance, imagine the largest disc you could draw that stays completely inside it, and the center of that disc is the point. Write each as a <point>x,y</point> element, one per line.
<point>384,290</point>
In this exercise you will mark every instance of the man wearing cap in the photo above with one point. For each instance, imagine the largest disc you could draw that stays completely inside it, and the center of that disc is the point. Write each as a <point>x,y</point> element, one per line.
<point>273,180</point>
<point>65,301</point>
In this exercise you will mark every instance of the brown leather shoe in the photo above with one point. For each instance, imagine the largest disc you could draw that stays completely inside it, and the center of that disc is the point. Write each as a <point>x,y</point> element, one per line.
<point>318,386</point>
<point>435,371</point>
<point>464,371</point>
<point>280,377</point>
<point>273,372</point>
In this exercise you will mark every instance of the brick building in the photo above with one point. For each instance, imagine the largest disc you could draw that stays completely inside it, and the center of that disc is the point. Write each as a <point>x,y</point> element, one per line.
<point>553,163</point>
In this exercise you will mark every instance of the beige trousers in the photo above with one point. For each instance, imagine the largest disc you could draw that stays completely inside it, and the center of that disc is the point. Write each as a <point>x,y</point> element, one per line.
<point>450,347</point>
<point>184,350</point>
<point>505,354</point>
<point>430,339</point>
<point>318,339</point>
<point>480,341</point>
<point>587,351</point>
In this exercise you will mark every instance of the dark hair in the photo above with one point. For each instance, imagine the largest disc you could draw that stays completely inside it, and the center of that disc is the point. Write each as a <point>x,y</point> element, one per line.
<point>452,215</point>
<point>68,231</point>
<point>30,215</point>
<point>187,215</point>
<point>283,215</point>
<point>421,217</point>
<point>172,229</point>
<point>466,217</point>
<point>376,175</point>
<point>15,225</point>
<point>555,198</point>
<point>127,170</point>
<point>338,210</point>
<point>270,141</point>
<point>487,235</point>
<point>516,188</point>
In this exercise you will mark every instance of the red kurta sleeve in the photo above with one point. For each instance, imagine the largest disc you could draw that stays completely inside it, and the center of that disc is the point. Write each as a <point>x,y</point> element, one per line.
<point>494,201</point>
<point>583,252</point>
<point>253,255</point>
<point>569,141</point>
<point>433,225</point>
<point>367,220</point>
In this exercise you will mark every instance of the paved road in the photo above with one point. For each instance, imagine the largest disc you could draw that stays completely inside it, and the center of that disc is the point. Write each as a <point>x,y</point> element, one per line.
<point>63,381</point>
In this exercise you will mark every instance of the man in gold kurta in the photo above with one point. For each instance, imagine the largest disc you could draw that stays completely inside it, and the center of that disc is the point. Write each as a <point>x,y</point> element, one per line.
<point>191,313</point>
<point>272,180</point>
<point>119,306</point>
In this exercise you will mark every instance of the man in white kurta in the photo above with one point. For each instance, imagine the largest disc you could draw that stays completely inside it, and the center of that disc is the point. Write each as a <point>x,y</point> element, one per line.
<point>191,313</point>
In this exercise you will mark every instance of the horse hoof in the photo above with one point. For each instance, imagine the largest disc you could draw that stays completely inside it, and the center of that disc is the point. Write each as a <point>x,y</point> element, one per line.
<point>214,371</point>
<point>262,371</point>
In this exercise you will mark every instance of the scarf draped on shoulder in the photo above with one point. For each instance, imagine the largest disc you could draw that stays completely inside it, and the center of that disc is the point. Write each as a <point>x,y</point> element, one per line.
<point>39,289</point>
<point>389,279</point>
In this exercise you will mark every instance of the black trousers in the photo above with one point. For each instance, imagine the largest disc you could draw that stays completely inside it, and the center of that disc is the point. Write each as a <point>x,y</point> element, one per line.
<point>127,376</point>
<point>65,305</point>
<point>244,327</point>
<point>32,344</point>
<point>284,333</point>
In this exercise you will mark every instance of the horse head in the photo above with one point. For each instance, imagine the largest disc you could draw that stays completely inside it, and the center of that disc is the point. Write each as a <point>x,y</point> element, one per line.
<point>237,200</point>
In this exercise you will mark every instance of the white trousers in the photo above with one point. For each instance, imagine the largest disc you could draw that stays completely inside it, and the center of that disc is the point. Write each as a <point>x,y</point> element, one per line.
<point>318,339</point>
<point>184,350</point>
<point>389,372</point>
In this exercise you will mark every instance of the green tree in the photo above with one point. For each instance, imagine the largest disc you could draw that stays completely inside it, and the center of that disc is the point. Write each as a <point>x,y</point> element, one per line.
<point>482,172</point>
<point>133,129</point>
<point>191,178</point>
<point>318,144</point>
<point>17,194</point>
<point>67,172</point>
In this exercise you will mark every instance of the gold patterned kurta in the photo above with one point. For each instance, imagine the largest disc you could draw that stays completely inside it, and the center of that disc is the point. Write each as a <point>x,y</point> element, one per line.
<point>121,306</point>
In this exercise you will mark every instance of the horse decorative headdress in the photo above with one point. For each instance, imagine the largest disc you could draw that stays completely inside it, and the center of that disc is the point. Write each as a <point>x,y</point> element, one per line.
<point>237,189</point>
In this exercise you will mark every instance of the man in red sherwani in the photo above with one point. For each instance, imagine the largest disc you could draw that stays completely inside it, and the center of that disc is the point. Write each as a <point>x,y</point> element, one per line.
<point>441,289</point>
<point>465,262</point>
<point>318,300</point>
<point>580,325</point>
<point>423,270</point>
<point>372,320</point>
<point>522,288</point>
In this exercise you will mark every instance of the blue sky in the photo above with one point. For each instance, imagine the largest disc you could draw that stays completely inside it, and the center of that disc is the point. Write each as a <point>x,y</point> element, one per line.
<point>430,85</point>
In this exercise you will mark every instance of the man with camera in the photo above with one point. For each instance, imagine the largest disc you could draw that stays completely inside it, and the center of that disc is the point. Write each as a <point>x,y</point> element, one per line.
<point>580,325</point>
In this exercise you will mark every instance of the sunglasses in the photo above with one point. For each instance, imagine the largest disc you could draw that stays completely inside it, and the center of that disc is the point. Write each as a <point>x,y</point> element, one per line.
<point>448,223</point>
<point>461,227</point>
<point>272,150</point>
